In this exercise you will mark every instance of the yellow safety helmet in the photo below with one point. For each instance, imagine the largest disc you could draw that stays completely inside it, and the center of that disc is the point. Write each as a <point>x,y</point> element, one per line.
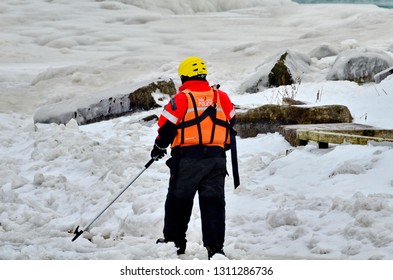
<point>192,66</point>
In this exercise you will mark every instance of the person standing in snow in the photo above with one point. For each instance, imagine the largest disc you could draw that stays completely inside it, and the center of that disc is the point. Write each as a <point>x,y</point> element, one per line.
<point>197,123</point>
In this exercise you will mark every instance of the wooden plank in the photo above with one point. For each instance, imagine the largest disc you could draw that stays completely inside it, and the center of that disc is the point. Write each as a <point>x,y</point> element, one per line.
<point>336,133</point>
<point>331,126</point>
<point>338,138</point>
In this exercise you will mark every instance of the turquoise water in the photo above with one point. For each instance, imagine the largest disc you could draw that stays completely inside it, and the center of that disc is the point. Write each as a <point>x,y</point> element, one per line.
<point>381,3</point>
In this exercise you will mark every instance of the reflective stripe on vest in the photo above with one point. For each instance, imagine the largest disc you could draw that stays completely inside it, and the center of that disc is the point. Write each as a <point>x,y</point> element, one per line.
<point>204,122</point>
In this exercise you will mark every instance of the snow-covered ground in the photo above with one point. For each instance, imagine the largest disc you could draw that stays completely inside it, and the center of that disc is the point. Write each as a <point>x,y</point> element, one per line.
<point>293,203</point>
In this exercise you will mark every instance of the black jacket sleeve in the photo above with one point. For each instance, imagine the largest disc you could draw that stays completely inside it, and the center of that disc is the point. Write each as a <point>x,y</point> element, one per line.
<point>166,134</point>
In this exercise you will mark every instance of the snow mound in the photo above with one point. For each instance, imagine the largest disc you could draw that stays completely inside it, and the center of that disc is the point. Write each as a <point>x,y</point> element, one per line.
<point>359,65</point>
<point>282,218</point>
<point>106,104</point>
<point>201,6</point>
<point>323,51</point>
<point>297,64</point>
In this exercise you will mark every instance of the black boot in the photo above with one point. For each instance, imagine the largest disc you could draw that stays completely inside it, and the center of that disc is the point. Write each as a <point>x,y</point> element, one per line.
<point>211,251</point>
<point>180,245</point>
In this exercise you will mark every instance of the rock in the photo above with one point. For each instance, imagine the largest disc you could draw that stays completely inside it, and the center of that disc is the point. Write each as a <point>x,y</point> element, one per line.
<point>383,75</point>
<point>285,68</point>
<point>359,65</point>
<point>269,118</point>
<point>150,118</point>
<point>323,51</point>
<point>280,75</point>
<point>106,105</point>
<point>291,101</point>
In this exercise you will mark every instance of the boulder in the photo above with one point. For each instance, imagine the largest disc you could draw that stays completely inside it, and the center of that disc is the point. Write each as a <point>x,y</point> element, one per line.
<point>280,75</point>
<point>323,51</point>
<point>359,65</point>
<point>269,118</point>
<point>383,75</point>
<point>285,68</point>
<point>106,105</point>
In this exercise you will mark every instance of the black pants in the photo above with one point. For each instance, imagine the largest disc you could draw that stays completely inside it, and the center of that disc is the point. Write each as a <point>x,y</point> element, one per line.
<point>207,177</point>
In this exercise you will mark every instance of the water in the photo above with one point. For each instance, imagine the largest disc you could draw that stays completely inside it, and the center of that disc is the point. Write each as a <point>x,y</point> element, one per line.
<point>381,3</point>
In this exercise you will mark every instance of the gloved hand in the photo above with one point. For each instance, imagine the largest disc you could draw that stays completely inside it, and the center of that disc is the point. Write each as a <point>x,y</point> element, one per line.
<point>158,152</point>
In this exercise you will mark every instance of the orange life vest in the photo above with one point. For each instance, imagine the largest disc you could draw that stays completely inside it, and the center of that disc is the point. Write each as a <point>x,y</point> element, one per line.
<point>204,123</point>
